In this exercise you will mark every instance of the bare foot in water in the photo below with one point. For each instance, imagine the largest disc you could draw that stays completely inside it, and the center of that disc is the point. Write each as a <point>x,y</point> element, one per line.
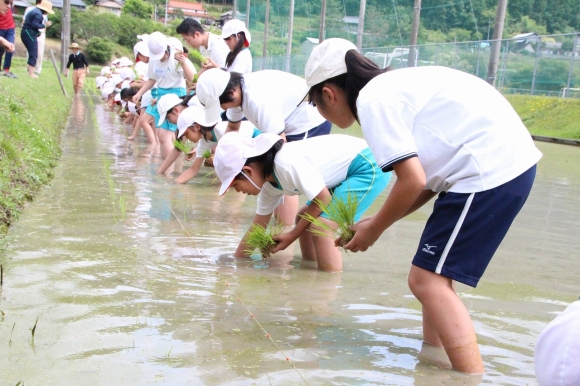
<point>131,137</point>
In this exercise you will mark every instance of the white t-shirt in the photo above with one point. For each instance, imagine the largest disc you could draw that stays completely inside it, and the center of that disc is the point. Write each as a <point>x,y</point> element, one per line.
<point>308,166</point>
<point>242,63</point>
<point>466,134</point>
<point>141,70</point>
<point>246,131</point>
<point>269,101</point>
<point>167,74</point>
<point>217,50</point>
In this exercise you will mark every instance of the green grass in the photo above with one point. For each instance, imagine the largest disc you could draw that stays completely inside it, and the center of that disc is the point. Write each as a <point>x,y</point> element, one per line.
<point>545,116</point>
<point>33,113</point>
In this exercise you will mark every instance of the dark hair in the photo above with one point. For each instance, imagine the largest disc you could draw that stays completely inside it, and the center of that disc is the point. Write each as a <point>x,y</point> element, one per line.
<point>237,49</point>
<point>186,99</point>
<point>189,27</point>
<point>267,159</point>
<point>205,130</point>
<point>236,79</point>
<point>360,70</point>
<point>128,92</point>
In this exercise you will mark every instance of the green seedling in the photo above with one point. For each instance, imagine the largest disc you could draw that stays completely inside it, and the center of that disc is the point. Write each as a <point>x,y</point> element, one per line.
<point>33,329</point>
<point>199,57</point>
<point>184,147</point>
<point>11,332</point>
<point>341,212</point>
<point>260,238</point>
<point>206,154</point>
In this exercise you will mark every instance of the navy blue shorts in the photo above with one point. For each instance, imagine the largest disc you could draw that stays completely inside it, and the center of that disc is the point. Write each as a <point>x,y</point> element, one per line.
<point>465,229</point>
<point>322,129</point>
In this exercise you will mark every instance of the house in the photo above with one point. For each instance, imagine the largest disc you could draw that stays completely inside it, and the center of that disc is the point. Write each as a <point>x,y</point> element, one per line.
<point>351,24</point>
<point>227,16</point>
<point>308,45</point>
<point>109,7</point>
<point>190,10</point>
<point>21,5</point>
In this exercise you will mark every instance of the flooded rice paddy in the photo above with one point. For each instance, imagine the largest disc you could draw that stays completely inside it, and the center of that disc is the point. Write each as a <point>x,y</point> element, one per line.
<point>132,279</point>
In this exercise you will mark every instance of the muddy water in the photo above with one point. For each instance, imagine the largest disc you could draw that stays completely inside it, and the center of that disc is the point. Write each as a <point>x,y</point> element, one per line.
<point>132,281</point>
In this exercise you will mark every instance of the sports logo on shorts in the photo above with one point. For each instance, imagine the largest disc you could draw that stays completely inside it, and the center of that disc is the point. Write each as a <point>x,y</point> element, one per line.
<point>428,249</point>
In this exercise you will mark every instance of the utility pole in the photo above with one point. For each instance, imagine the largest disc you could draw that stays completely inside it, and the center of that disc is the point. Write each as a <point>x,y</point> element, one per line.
<point>322,21</point>
<point>235,8</point>
<point>290,31</point>
<point>361,24</point>
<point>265,48</point>
<point>412,58</point>
<point>65,35</point>
<point>165,21</point>
<point>571,72</point>
<point>496,44</point>
<point>248,15</point>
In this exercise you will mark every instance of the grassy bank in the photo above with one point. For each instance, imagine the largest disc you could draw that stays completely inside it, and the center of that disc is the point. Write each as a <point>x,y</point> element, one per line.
<point>33,113</point>
<point>545,116</point>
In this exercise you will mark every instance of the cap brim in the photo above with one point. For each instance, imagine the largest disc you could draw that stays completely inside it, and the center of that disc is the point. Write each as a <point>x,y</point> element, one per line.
<point>226,185</point>
<point>213,113</point>
<point>305,99</point>
<point>161,119</point>
<point>156,57</point>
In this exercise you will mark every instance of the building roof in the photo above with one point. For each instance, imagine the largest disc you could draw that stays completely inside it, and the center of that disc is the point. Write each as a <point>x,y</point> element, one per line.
<point>187,6</point>
<point>108,4</point>
<point>55,3</point>
<point>313,40</point>
<point>350,19</point>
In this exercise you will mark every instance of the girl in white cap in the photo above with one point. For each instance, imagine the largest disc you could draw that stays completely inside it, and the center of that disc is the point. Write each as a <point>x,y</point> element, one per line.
<point>443,132</point>
<point>268,167</point>
<point>238,39</point>
<point>167,68</point>
<point>271,109</point>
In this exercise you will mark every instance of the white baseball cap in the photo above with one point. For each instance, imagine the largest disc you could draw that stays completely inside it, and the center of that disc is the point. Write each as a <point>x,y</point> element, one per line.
<point>157,44</point>
<point>125,62</point>
<point>105,70</point>
<point>232,152</point>
<point>127,73</point>
<point>115,79</point>
<point>175,43</point>
<point>210,86</point>
<point>100,80</point>
<point>557,352</point>
<point>327,60</point>
<point>166,103</point>
<point>191,115</point>
<point>143,37</point>
<point>107,89</point>
<point>235,26</point>
<point>141,48</point>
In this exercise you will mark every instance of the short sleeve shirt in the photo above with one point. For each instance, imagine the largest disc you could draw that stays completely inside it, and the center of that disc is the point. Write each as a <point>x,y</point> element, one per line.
<point>246,131</point>
<point>217,50</point>
<point>242,63</point>
<point>167,74</point>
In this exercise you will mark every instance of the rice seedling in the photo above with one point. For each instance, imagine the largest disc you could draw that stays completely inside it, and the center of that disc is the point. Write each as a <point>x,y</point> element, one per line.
<point>206,154</point>
<point>198,56</point>
<point>340,211</point>
<point>11,332</point>
<point>33,329</point>
<point>260,238</point>
<point>184,147</point>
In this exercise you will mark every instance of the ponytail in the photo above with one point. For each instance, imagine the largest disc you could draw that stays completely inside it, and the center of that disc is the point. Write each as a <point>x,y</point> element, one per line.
<point>242,42</point>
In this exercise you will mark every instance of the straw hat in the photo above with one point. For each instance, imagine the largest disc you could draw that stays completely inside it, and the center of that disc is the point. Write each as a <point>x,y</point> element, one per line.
<point>74,45</point>
<point>46,5</point>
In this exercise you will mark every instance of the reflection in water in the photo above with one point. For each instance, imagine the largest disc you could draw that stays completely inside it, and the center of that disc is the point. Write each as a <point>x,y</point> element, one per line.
<point>133,281</point>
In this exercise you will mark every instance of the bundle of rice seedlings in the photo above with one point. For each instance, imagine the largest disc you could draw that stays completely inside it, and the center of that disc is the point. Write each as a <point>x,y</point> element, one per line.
<point>341,212</point>
<point>260,238</point>
<point>206,154</point>
<point>198,56</point>
<point>183,147</point>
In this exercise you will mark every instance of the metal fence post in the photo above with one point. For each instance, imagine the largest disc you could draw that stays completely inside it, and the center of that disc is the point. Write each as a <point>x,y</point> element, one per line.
<point>535,67</point>
<point>571,71</point>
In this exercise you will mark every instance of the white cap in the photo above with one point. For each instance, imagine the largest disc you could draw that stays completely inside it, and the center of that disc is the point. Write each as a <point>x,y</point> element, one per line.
<point>166,103</point>
<point>175,43</point>
<point>115,79</point>
<point>107,89</point>
<point>157,44</point>
<point>100,80</point>
<point>125,62</point>
<point>327,60</point>
<point>105,70</point>
<point>143,37</point>
<point>194,101</point>
<point>126,84</point>
<point>557,352</point>
<point>191,115</point>
<point>235,26</point>
<point>232,152</point>
<point>116,61</point>
<point>141,48</point>
<point>127,73</point>
<point>210,86</point>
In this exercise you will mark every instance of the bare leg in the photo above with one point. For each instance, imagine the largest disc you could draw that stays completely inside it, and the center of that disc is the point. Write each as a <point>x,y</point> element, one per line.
<point>328,255</point>
<point>31,72</point>
<point>448,318</point>
<point>146,124</point>
<point>286,213</point>
<point>306,242</point>
<point>166,138</point>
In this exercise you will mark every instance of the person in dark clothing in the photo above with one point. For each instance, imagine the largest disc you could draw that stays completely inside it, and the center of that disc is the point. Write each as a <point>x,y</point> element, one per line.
<point>79,62</point>
<point>33,23</point>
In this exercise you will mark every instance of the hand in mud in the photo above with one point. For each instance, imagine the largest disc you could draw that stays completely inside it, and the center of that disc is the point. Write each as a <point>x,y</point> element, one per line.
<point>283,240</point>
<point>208,162</point>
<point>365,236</point>
<point>189,156</point>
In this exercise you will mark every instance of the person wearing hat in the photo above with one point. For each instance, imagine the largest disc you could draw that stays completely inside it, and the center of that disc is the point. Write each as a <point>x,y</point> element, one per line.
<point>80,67</point>
<point>33,23</point>
<point>443,132</point>
<point>209,45</point>
<point>557,351</point>
<point>166,70</point>
<point>270,168</point>
<point>238,39</point>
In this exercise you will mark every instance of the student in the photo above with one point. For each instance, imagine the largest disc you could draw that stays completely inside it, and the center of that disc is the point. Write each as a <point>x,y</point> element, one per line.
<point>141,52</point>
<point>271,109</point>
<point>209,45</point>
<point>441,131</point>
<point>80,67</point>
<point>7,32</point>
<point>167,68</point>
<point>238,39</point>
<point>33,23</point>
<point>268,167</point>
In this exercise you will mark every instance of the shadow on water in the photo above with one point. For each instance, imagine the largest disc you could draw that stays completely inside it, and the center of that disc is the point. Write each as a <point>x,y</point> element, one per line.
<point>132,279</point>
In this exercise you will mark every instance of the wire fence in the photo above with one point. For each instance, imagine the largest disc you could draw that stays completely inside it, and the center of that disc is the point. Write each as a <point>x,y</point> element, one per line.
<point>528,64</point>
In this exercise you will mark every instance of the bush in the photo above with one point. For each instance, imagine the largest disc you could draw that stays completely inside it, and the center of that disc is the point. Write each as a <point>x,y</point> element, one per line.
<point>100,50</point>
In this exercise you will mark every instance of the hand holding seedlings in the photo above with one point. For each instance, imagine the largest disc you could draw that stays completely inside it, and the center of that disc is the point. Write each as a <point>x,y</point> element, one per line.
<point>366,233</point>
<point>260,238</point>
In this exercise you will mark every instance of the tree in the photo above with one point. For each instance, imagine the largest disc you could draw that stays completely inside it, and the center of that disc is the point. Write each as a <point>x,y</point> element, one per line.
<point>137,8</point>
